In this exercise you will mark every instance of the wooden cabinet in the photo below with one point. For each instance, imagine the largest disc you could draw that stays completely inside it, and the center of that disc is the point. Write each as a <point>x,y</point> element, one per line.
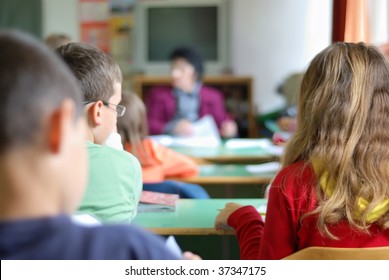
<point>237,92</point>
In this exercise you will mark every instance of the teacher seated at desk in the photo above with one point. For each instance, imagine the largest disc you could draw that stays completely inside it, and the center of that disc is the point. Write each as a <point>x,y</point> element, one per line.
<point>173,109</point>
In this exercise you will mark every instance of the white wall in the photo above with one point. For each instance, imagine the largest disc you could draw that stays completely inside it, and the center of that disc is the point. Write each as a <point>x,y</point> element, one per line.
<point>378,17</point>
<point>61,16</point>
<point>271,39</point>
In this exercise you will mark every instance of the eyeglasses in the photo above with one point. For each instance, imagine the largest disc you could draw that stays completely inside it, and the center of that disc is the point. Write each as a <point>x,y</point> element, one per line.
<point>119,109</point>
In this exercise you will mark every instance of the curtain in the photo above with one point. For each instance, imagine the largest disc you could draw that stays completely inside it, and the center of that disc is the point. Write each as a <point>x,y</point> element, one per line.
<point>338,20</point>
<point>357,22</point>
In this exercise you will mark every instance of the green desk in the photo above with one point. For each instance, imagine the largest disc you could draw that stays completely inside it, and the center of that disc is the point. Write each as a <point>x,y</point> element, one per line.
<point>228,174</point>
<point>192,217</point>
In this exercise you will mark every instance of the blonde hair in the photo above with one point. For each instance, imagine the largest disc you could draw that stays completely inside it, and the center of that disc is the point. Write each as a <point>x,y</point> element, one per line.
<point>343,120</point>
<point>56,40</point>
<point>132,126</point>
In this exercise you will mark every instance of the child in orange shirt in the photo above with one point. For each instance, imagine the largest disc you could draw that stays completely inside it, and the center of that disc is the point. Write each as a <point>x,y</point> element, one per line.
<point>158,162</point>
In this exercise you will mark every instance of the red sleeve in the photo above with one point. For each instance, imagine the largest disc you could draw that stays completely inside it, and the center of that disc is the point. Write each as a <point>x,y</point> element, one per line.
<point>291,195</point>
<point>248,226</point>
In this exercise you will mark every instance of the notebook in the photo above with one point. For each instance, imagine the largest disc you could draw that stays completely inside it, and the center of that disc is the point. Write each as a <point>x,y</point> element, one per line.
<point>157,202</point>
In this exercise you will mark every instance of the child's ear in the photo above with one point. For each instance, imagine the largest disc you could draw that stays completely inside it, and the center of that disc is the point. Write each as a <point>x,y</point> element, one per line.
<point>58,125</point>
<point>94,113</point>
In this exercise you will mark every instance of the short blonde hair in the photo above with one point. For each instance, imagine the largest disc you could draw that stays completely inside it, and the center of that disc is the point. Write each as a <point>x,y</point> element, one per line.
<point>56,40</point>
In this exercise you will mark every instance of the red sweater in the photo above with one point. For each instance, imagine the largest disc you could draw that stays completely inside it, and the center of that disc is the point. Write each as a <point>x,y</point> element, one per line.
<point>291,195</point>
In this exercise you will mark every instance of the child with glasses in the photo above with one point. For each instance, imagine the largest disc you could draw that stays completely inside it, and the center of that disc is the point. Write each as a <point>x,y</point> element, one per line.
<point>115,177</point>
<point>158,162</point>
<point>43,164</point>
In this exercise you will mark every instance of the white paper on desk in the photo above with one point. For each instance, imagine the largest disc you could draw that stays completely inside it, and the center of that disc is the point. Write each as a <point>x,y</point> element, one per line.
<point>238,143</point>
<point>206,135</point>
<point>206,127</point>
<point>273,166</point>
<point>163,139</point>
<point>275,150</point>
<point>172,245</point>
<point>85,219</point>
<point>262,208</point>
<point>263,143</point>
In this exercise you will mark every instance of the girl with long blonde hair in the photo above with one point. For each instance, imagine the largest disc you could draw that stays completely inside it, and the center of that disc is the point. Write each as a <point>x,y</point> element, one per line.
<point>333,190</point>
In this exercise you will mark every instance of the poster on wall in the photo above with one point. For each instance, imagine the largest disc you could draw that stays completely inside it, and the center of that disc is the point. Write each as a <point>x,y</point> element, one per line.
<point>121,32</point>
<point>94,23</point>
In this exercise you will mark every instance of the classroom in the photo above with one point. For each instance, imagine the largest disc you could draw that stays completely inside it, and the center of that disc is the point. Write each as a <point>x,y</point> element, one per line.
<point>214,129</point>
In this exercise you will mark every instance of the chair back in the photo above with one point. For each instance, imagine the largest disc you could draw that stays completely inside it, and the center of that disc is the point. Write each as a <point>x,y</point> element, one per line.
<point>329,253</point>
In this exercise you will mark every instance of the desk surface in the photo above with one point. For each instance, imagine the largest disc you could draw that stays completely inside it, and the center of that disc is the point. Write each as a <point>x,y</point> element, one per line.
<point>226,155</point>
<point>228,174</point>
<point>192,217</point>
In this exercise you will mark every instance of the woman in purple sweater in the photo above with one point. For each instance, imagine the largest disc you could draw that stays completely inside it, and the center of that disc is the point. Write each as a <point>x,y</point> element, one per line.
<point>173,109</point>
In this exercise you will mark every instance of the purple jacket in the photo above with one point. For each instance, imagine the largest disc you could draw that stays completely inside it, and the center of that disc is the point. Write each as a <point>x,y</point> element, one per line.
<point>161,107</point>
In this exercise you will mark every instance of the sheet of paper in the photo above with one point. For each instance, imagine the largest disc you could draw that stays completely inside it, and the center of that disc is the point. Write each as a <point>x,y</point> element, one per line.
<point>275,150</point>
<point>85,219</point>
<point>262,143</point>
<point>205,135</point>
<point>206,127</point>
<point>262,208</point>
<point>273,166</point>
<point>172,245</point>
<point>238,143</point>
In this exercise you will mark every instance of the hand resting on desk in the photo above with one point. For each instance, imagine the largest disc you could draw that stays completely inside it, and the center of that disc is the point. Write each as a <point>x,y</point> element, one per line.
<point>224,214</point>
<point>183,128</point>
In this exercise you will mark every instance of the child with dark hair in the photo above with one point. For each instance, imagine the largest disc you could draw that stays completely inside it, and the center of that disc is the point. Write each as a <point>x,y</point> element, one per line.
<point>115,177</point>
<point>172,110</point>
<point>43,164</point>
<point>158,162</point>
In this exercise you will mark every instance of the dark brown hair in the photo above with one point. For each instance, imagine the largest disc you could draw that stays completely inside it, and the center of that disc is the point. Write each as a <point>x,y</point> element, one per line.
<point>96,71</point>
<point>33,82</point>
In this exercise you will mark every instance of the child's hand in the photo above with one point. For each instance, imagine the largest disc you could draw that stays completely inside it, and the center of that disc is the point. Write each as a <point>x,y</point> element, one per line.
<point>190,256</point>
<point>183,128</point>
<point>222,217</point>
<point>228,129</point>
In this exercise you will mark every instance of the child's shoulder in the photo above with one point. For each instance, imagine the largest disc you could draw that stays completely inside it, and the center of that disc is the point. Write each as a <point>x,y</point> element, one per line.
<point>299,173</point>
<point>111,154</point>
<point>129,242</point>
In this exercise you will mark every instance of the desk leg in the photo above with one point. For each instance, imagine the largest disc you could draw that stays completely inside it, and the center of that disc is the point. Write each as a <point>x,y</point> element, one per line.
<point>228,191</point>
<point>226,254</point>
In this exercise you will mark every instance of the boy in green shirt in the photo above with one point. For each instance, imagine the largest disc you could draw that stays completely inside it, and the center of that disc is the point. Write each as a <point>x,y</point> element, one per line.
<point>115,177</point>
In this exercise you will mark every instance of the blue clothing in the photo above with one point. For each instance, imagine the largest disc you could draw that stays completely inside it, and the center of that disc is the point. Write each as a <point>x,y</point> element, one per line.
<point>188,104</point>
<point>184,190</point>
<point>60,239</point>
